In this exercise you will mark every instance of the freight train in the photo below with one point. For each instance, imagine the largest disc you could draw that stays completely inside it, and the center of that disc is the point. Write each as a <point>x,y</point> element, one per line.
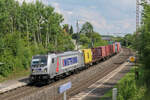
<point>51,66</point>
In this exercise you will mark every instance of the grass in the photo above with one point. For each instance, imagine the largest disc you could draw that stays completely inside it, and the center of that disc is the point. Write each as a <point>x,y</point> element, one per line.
<point>16,74</point>
<point>130,75</point>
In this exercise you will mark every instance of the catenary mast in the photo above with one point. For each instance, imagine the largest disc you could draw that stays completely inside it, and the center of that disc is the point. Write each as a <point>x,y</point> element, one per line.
<point>137,16</point>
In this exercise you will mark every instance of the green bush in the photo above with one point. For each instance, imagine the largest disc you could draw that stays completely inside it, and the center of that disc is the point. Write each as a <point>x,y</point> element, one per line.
<point>128,88</point>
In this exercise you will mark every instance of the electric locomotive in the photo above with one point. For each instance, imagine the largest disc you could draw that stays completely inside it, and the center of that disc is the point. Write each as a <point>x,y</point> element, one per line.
<point>47,67</point>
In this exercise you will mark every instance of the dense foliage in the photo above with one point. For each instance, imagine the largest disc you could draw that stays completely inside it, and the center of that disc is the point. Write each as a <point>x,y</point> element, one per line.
<point>143,44</point>
<point>27,29</point>
<point>127,88</point>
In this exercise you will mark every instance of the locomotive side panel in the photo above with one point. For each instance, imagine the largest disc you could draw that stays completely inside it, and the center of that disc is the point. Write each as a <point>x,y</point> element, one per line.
<point>52,65</point>
<point>66,62</point>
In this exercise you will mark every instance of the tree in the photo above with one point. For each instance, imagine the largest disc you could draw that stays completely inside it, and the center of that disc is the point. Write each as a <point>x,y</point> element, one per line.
<point>142,44</point>
<point>71,30</point>
<point>93,38</point>
<point>84,41</point>
<point>97,40</point>
<point>87,29</point>
<point>27,29</point>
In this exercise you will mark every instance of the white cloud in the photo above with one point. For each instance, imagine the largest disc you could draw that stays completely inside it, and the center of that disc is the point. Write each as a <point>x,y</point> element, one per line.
<point>104,26</point>
<point>56,6</point>
<point>93,17</point>
<point>93,7</point>
<point>69,12</point>
<point>99,22</point>
<point>126,2</point>
<point>66,13</point>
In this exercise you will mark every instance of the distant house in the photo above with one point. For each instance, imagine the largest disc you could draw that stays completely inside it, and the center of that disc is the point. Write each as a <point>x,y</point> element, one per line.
<point>107,37</point>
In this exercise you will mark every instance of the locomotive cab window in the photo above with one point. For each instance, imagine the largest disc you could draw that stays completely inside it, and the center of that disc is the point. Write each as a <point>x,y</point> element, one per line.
<point>39,61</point>
<point>52,60</point>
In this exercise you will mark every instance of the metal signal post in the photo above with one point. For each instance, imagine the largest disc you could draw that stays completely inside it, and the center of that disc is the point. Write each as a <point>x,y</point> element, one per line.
<point>77,41</point>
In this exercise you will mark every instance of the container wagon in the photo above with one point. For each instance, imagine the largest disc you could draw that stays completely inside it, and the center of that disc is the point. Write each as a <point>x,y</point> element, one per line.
<point>114,48</point>
<point>107,51</point>
<point>96,54</point>
<point>87,53</point>
<point>110,50</point>
<point>103,52</point>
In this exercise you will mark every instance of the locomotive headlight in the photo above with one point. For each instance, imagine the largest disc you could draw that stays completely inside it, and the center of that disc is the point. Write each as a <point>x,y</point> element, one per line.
<point>33,70</point>
<point>45,70</point>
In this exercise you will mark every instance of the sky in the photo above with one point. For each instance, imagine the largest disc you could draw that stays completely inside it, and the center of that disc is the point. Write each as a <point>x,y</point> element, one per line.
<point>107,16</point>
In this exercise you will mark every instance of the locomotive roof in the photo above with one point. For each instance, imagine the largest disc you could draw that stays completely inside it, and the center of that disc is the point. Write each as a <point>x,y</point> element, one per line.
<point>64,53</point>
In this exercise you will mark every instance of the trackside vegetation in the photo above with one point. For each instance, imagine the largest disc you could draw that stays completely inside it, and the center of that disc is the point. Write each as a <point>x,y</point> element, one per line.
<point>127,88</point>
<point>27,29</point>
<point>143,48</point>
<point>139,89</point>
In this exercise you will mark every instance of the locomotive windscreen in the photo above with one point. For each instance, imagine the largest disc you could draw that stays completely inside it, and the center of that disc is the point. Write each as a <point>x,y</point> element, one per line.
<point>39,60</point>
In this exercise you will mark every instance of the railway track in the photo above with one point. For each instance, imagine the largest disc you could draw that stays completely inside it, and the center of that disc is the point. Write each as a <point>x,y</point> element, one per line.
<point>79,81</point>
<point>94,78</point>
